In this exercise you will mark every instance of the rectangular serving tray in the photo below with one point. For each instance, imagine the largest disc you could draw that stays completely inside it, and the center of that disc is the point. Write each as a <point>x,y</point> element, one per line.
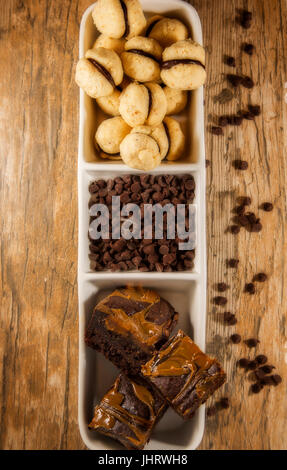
<point>186,291</point>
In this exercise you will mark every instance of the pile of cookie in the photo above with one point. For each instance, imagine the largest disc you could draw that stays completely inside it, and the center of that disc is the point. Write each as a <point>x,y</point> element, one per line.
<point>139,71</point>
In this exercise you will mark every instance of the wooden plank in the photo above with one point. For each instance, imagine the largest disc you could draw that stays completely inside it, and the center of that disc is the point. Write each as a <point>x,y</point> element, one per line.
<point>38,142</point>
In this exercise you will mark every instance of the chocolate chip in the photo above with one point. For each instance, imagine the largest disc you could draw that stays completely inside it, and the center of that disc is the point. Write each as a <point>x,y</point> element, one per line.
<point>247,115</point>
<point>252,365</point>
<point>216,130</point>
<point>234,80</point>
<point>243,362</point>
<point>236,339</point>
<point>252,342</point>
<point>259,375</point>
<point>247,48</point>
<point>244,200</point>
<point>277,379</point>
<point>229,318</point>
<point>240,164</point>
<point>254,109</point>
<point>247,82</point>
<point>222,287</point>
<point>266,379</point>
<point>229,60</point>
<point>223,121</point>
<point>207,163</point>
<point>256,388</point>
<point>260,277</point>
<point>250,288</point>
<point>235,229</point>
<point>235,120</point>
<point>224,403</point>
<point>261,359</point>
<point>239,210</point>
<point>232,263</point>
<point>220,300</point>
<point>267,206</point>
<point>267,369</point>
<point>257,227</point>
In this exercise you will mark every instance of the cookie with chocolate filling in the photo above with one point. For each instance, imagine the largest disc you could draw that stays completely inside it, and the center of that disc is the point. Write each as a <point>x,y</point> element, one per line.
<point>141,59</point>
<point>140,151</point>
<point>175,138</point>
<point>159,134</point>
<point>109,136</point>
<point>119,18</point>
<point>99,72</point>
<point>166,30</point>
<point>184,375</point>
<point>176,100</point>
<point>111,104</point>
<point>129,325</point>
<point>117,45</point>
<point>143,104</point>
<point>128,412</point>
<point>183,65</point>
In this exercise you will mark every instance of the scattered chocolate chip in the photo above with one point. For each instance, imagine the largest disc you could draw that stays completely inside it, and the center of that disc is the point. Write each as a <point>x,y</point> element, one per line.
<point>211,411</point>
<point>252,365</point>
<point>234,80</point>
<point>261,359</point>
<point>235,229</point>
<point>247,115</point>
<point>266,379</point>
<point>229,60</point>
<point>232,263</point>
<point>235,119</point>
<point>256,388</point>
<point>250,288</point>
<point>267,206</point>
<point>247,82</point>
<point>236,339</point>
<point>216,130</point>
<point>229,318</point>
<point>207,163</point>
<point>247,48</point>
<point>224,96</point>
<point>224,403</point>
<point>240,164</point>
<point>222,287</point>
<point>254,109</point>
<point>260,277</point>
<point>223,121</point>
<point>220,300</point>
<point>245,19</point>
<point>259,375</point>
<point>277,379</point>
<point>252,342</point>
<point>239,210</point>
<point>267,369</point>
<point>243,362</point>
<point>244,201</point>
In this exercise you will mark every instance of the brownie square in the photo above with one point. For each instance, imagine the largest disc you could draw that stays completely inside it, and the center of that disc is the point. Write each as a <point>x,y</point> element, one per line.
<point>129,325</point>
<point>185,376</point>
<point>128,412</point>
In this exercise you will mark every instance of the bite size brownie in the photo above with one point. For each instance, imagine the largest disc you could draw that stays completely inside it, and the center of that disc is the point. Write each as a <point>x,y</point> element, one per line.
<point>185,376</point>
<point>129,325</point>
<point>128,412</point>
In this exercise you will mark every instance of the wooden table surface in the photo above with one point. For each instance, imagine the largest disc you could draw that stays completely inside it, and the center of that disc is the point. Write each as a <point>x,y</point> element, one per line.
<point>39,138</point>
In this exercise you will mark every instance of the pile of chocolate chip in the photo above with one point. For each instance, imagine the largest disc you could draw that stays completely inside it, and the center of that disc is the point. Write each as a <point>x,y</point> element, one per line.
<point>247,219</point>
<point>144,255</point>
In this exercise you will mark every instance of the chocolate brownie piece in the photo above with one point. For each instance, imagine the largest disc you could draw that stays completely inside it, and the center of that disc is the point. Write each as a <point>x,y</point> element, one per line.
<point>185,376</point>
<point>128,412</point>
<point>129,325</point>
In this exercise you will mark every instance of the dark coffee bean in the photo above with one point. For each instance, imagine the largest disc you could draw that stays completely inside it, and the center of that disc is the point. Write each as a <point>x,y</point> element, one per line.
<point>229,60</point>
<point>236,339</point>
<point>247,82</point>
<point>256,388</point>
<point>252,342</point>
<point>254,109</point>
<point>224,403</point>
<point>240,164</point>
<point>235,80</point>
<point>252,365</point>
<point>267,369</point>
<point>235,229</point>
<point>250,288</point>
<point>260,277</point>
<point>216,130</point>
<point>247,48</point>
<point>222,287</point>
<point>267,206</point>
<point>211,411</point>
<point>261,359</point>
<point>277,379</point>
<point>220,300</point>
<point>232,263</point>
<point>244,363</point>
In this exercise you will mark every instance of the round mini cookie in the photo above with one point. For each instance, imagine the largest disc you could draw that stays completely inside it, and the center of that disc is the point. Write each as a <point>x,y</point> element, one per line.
<point>109,135</point>
<point>111,104</point>
<point>141,59</point>
<point>140,151</point>
<point>117,45</point>
<point>183,65</point>
<point>99,72</point>
<point>176,100</point>
<point>119,18</point>
<point>175,137</point>
<point>143,104</point>
<point>158,133</point>
<point>166,30</point>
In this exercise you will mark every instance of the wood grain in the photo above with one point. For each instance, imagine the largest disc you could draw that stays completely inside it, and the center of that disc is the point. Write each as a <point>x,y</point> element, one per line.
<point>38,141</point>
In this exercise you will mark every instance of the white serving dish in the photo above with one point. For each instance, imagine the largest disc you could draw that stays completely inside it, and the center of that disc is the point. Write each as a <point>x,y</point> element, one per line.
<point>185,290</point>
